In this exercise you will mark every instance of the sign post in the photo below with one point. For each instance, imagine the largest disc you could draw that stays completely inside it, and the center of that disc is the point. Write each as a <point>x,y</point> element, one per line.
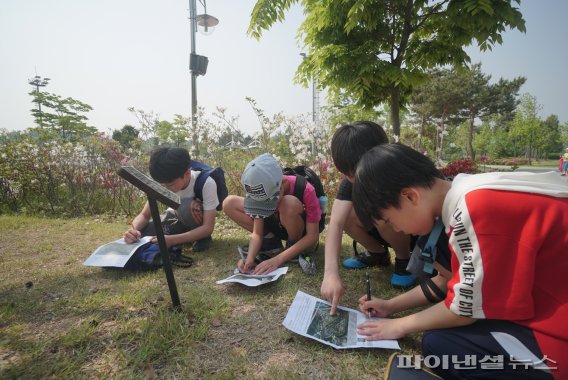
<point>156,192</point>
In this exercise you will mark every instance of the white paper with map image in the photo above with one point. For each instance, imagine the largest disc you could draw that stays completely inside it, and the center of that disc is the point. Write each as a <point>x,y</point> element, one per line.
<point>255,279</point>
<point>115,254</point>
<point>309,317</point>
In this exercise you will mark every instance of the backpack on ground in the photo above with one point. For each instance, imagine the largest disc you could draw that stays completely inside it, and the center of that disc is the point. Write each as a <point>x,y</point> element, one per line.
<point>147,257</point>
<point>303,175</point>
<point>217,174</point>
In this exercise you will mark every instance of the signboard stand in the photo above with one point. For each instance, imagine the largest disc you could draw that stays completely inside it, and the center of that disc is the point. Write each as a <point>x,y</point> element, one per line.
<point>156,192</point>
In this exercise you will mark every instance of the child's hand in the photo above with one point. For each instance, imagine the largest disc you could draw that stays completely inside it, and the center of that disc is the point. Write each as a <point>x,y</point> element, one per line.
<point>383,329</point>
<point>332,290</point>
<point>379,307</point>
<point>167,238</point>
<point>244,267</point>
<point>131,236</point>
<point>267,266</point>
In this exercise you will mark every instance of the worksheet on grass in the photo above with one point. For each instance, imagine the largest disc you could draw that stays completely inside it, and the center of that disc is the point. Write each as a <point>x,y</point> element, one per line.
<point>254,279</point>
<point>115,253</point>
<point>309,316</point>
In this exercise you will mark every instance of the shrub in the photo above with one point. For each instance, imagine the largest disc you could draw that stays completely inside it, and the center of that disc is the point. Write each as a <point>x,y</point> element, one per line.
<point>459,166</point>
<point>64,178</point>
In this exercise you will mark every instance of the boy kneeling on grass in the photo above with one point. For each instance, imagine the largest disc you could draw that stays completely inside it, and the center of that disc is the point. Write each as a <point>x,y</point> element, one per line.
<point>272,213</point>
<point>194,221</point>
<point>507,297</point>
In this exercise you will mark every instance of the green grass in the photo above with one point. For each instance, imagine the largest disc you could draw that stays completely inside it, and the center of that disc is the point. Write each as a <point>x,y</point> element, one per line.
<point>61,319</point>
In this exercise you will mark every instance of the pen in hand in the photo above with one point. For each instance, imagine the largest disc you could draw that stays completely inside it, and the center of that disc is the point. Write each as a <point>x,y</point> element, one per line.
<point>242,255</point>
<point>368,283</point>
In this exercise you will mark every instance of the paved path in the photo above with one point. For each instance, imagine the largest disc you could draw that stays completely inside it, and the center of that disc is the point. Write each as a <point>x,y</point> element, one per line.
<point>533,169</point>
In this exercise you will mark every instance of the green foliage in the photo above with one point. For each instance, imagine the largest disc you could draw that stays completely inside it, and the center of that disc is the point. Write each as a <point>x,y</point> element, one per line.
<point>495,142</point>
<point>374,51</point>
<point>454,96</point>
<point>526,128</point>
<point>59,177</point>
<point>127,137</point>
<point>175,132</point>
<point>61,117</point>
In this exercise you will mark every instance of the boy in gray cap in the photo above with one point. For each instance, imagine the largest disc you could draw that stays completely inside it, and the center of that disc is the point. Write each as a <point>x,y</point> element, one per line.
<point>272,213</point>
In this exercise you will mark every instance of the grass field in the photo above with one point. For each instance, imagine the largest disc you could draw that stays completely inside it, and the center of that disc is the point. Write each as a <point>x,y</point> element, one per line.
<point>60,319</point>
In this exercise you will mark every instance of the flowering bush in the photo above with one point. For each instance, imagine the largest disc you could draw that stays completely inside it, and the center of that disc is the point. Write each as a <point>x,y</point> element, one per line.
<point>459,166</point>
<point>62,178</point>
<point>512,161</point>
<point>59,177</point>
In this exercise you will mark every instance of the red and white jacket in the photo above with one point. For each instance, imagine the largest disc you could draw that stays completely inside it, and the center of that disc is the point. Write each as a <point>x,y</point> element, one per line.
<point>508,234</point>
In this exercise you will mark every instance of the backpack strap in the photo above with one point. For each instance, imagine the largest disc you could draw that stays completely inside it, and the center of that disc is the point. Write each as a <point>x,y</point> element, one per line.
<point>300,187</point>
<point>428,287</point>
<point>430,249</point>
<point>200,182</point>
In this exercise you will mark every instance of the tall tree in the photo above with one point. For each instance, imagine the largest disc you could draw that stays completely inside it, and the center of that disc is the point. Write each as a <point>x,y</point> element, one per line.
<point>127,136</point>
<point>483,99</point>
<point>63,117</point>
<point>374,51</point>
<point>440,99</point>
<point>175,132</point>
<point>550,140</point>
<point>527,126</point>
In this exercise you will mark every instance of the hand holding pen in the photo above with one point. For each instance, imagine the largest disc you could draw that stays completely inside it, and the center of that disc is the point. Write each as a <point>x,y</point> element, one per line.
<point>244,268</point>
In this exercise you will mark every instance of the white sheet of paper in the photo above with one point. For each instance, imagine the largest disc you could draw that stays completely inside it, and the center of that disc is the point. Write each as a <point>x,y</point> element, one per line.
<point>115,253</point>
<point>309,316</point>
<point>255,280</point>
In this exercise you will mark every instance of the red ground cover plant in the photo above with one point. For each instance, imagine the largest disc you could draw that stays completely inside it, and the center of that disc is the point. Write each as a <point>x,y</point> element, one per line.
<point>459,166</point>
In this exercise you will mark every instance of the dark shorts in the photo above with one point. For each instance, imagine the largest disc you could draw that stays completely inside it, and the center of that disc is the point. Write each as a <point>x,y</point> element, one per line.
<point>187,217</point>
<point>377,236</point>
<point>487,349</point>
<point>272,224</point>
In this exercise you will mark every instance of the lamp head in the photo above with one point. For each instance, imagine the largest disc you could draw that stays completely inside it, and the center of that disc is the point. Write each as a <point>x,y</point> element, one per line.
<point>206,23</point>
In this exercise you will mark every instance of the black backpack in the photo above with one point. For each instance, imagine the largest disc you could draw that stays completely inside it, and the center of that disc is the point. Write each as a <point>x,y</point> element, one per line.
<point>218,176</point>
<point>303,175</point>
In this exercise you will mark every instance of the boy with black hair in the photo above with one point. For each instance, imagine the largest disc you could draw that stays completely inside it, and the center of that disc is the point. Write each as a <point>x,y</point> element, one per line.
<point>272,213</point>
<point>349,143</point>
<point>194,220</point>
<point>507,301</point>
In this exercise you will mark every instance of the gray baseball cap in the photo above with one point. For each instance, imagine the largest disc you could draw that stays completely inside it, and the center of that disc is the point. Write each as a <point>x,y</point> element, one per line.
<point>262,179</point>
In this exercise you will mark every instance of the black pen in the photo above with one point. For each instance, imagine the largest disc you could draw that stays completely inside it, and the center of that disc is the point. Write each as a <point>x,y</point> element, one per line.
<point>368,283</point>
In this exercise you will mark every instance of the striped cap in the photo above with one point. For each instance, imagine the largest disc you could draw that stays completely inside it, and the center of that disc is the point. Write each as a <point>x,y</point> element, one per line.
<point>261,180</point>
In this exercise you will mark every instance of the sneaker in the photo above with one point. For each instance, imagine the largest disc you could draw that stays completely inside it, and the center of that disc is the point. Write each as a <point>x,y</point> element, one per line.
<point>365,259</point>
<point>202,245</point>
<point>307,263</point>
<point>401,278</point>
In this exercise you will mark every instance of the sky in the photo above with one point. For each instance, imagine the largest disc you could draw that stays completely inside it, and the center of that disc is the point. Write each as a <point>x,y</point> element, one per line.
<point>114,55</point>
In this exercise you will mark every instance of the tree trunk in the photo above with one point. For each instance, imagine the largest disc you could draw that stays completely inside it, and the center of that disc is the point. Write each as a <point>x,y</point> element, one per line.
<point>421,132</point>
<point>395,112</point>
<point>470,151</point>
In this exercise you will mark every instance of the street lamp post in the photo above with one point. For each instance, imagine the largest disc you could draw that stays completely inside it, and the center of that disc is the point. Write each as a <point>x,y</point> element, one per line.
<point>315,108</point>
<point>38,82</point>
<point>197,63</point>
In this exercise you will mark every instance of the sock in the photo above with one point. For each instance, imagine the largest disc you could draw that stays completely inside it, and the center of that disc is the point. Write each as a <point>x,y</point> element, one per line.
<point>400,266</point>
